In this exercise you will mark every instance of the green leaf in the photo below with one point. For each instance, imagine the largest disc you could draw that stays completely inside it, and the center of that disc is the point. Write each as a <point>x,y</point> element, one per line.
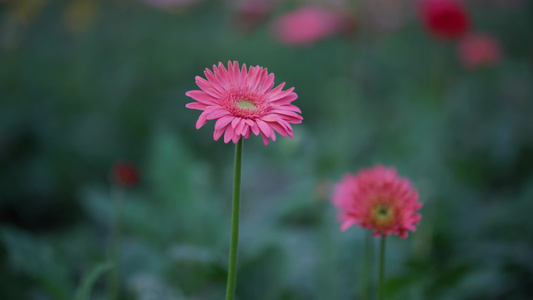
<point>84,290</point>
<point>38,259</point>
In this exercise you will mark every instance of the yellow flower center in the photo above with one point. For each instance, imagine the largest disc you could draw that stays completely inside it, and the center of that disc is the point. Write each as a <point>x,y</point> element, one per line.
<point>382,214</point>
<point>246,104</point>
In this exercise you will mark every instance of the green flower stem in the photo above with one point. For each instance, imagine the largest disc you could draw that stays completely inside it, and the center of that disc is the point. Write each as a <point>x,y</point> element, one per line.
<point>115,243</point>
<point>381,287</point>
<point>364,289</point>
<point>234,244</point>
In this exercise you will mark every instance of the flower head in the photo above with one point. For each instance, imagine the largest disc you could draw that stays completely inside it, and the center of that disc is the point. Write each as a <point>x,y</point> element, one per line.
<point>475,50</point>
<point>125,174</point>
<point>445,19</point>
<point>244,102</point>
<point>310,24</point>
<point>379,200</point>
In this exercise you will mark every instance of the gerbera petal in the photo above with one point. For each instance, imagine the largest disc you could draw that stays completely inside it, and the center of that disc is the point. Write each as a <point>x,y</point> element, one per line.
<point>228,134</point>
<point>235,122</point>
<point>264,128</point>
<point>218,132</point>
<point>347,224</point>
<point>201,96</point>
<point>247,131</point>
<point>236,125</point>
<point>252,78</point>
<point>196,105</point>
<point>262,78</point>
<point>235,138</point>
<point>249,122</point>
<point>287,113</point>
<point>271,118</point>
<point>235,74</point>
<point>285,124</point>
<point>282,94</point>
<point>285,99</point>
<point>231,75</point>
<point>265,139</point>
<point>276,90</point>
<point>289,133</point>
<point>223,73</point>
<point>243,75</point>
<point>217,112</point>
<point>292,120</point>
<point>223,122</point>
<point>207,87</point>
<point>280,129</point>
<point>211,77</point>
<point>201,120</point>
<point>292,108</point>
<point>218,77</point>
<point>240,127</point>
<point>255,128</point>
<point>267,84</point>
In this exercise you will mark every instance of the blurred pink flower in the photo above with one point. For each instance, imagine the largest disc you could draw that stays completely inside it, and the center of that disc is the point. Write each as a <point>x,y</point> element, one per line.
<point>379,200</point>
<point>310,24</point>
<point>243,102</point>
<point>445,19</point>
<point>475,50</point>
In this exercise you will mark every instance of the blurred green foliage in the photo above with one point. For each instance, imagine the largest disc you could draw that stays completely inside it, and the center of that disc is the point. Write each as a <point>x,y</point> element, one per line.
<point>84,86</point>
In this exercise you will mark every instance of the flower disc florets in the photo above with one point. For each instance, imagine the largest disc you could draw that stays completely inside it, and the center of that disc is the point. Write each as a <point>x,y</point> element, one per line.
<point>244,102</point>
<point>379,200</point>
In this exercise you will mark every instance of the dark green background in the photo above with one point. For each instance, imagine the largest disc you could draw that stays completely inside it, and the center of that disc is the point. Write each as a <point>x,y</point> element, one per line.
<point>74,102</point>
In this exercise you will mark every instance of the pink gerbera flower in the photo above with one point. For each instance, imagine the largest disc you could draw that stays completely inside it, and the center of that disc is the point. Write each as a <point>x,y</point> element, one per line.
<point>310,24</point>
<point>379,200</point>
<point>244,102</point>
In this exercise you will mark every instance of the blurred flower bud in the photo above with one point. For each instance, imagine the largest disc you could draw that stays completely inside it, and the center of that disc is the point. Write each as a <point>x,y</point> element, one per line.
<point>125,174</point>
<point>445,19</point>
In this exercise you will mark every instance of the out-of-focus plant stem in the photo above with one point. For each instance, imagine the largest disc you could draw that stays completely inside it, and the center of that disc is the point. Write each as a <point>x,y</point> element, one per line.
<point>381,288</point>
<point>364,288</point>
<point>115,243</point>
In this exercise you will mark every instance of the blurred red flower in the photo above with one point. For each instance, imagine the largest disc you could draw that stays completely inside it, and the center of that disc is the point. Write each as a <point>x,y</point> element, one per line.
<point>445,19</point>
<point>125,174</point>
<point>310,24</point>
<point>476,50</point>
